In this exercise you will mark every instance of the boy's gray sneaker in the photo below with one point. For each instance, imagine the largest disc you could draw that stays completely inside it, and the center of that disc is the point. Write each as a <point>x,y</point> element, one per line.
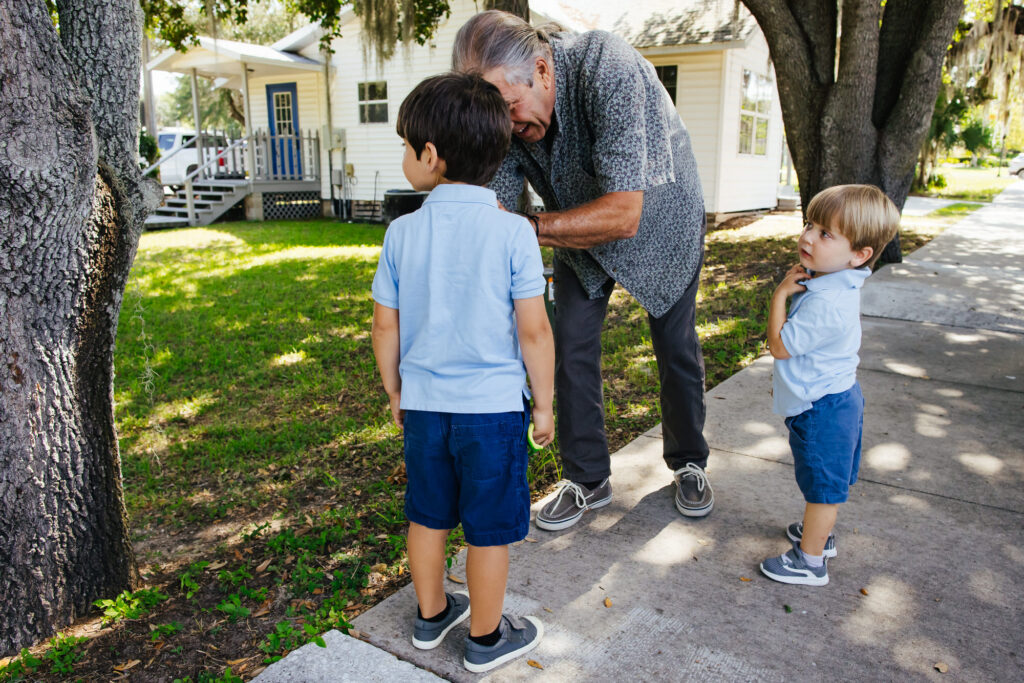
<point>795,532</point>
<point>427,634</point>
<point>694,497</point>
<point>789,567</point>
<point>516,639</point>
<point>571,502</point>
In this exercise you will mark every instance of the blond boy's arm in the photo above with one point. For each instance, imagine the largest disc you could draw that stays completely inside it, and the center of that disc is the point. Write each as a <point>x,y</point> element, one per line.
<point>777,311</point>
<point>387,350</point>
<point>538,346</point>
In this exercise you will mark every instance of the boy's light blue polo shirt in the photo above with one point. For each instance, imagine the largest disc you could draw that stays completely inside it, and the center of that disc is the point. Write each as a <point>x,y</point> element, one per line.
<point>822,334</point>
<point>453,269</point>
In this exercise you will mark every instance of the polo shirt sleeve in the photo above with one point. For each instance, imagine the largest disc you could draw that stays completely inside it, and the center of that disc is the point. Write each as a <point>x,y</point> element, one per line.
<point>385,280</point>
<point>815,323</point>
<point>626,113</point>
<point>527,265</point>
<point>508,182</point>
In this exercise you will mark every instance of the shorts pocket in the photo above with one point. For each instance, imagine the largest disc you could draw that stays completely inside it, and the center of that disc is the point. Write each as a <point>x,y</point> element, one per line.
<point>481,450</point>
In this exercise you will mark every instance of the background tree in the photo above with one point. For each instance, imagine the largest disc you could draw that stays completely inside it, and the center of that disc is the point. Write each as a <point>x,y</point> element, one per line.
<point>857,87</point>
<point>72,205</point>
<point>977,138</point>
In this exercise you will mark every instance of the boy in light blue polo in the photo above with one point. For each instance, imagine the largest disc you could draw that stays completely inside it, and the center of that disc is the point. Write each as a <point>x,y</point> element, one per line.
<point>815,347</point>
<point>458,322</point>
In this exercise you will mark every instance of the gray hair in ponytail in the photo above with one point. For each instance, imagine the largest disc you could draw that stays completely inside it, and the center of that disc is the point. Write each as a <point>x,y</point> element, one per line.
<point>499,39</point>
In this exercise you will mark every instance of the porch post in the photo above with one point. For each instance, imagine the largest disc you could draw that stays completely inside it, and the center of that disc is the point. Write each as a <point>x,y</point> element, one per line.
<point>250,144</point>
<point>197,117</point>
<point>147,85</point>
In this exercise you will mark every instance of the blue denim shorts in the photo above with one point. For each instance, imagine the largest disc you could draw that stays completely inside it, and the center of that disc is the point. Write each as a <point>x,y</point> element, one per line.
<point>826,445</point>
<point>468,468</point>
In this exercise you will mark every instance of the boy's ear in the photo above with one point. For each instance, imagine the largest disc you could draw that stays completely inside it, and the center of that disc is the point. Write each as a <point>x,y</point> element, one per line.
<point>862,256</point>
<point>429,157</point>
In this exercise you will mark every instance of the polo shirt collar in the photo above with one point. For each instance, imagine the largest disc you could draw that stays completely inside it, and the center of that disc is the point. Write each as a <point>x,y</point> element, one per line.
<point>457,192</point>
<point>848,278</point>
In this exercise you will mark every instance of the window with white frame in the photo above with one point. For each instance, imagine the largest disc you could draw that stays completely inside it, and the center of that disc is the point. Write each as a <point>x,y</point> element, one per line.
<point>373,102</point>
<point>755,110</point>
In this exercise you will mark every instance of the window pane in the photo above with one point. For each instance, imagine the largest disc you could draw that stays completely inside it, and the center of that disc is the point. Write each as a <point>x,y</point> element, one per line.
<point>761,137</point>
<point>746,132</point>
<point>764,90</point>
<point>166,141</point>
<point>379,112</point>
<point>749,93</point>
<point>362,91</point>
<point>667,75</point>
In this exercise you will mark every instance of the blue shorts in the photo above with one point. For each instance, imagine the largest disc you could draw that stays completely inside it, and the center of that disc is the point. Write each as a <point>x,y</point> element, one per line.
<point>825,440</point>
<point>468,468</point>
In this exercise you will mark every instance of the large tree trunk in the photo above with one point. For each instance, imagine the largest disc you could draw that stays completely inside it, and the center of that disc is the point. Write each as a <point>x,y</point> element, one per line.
<point>520,8</point>
<point>72,203</point>
<point>865,119</point>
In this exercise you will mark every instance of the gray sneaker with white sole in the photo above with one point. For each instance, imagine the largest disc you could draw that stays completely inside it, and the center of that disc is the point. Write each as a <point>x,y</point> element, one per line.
<point>428,634</point>
<point>517,638</point>
<point>569,504</point>
<point>795,532</point>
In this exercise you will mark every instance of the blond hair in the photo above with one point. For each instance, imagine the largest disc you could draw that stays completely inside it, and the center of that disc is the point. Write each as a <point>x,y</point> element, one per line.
<point>863,214</point>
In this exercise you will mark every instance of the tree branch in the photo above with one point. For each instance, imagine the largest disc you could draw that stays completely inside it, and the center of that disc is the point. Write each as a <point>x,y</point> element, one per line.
<point>908,123</point>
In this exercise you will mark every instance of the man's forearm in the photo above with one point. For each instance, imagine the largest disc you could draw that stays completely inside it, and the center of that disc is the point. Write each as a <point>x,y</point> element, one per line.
<point>610,217</point>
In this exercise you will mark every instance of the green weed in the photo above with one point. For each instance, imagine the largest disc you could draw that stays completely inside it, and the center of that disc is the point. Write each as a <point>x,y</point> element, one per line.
<point>233,608</point>
<point>164,630</point>
<point>129,605</point>
<point>187,582</point>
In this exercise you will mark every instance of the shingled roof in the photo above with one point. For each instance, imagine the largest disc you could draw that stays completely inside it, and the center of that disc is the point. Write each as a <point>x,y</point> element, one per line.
<point>654,23</point>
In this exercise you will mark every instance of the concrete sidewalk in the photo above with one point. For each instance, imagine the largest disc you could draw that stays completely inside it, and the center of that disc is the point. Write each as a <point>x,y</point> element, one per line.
<point>931,545</point>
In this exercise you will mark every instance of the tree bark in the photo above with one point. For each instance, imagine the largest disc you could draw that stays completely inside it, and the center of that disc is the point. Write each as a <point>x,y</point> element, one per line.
<point>72,204</point>
<point>864,119</point>
<point>520,8</point>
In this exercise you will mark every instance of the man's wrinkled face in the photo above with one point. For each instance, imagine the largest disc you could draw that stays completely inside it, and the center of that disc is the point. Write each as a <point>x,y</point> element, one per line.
<point>531,106</point>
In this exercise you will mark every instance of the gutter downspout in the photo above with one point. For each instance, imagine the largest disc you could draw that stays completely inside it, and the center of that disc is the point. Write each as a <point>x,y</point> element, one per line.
<point>329,133</point>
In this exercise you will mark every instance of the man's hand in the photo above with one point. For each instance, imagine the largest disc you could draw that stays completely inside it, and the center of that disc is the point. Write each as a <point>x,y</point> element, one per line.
<point>793,282</point>
<point>543,426</point>
<point>395,399</point>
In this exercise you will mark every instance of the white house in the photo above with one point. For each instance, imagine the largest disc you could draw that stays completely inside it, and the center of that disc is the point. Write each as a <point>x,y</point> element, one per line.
<point>710,54</point>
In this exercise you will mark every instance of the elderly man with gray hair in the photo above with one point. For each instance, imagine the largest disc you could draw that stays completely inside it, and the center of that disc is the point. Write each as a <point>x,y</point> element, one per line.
<point>599,139</point>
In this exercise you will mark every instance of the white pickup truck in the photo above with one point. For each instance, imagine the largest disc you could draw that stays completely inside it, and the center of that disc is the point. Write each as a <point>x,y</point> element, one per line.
<point>174,169</point>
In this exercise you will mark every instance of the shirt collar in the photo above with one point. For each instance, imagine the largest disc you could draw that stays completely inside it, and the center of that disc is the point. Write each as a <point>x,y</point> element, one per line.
<point>457,192</point>
<point>848,278</point>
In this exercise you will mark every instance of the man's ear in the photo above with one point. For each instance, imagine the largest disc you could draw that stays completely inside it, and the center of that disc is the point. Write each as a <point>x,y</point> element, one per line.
<point>542,71</point>
<point>862,256</point>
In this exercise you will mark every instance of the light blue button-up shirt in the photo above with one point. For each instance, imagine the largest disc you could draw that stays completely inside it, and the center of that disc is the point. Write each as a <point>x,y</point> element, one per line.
<point>822,336</point>
<point>453,270</point>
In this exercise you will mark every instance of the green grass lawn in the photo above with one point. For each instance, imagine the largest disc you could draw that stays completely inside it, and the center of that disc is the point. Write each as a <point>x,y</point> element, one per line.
<point>972,184</point>
<point>262,474</point>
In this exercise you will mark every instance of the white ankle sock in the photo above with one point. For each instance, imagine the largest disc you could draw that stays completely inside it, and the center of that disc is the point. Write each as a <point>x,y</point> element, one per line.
<point>812,561</point>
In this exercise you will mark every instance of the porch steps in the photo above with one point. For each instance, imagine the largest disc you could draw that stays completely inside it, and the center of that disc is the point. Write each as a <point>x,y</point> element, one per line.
<point>211,199</point>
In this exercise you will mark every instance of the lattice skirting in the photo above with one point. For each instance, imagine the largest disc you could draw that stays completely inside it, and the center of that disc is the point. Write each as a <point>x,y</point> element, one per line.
<point>285,205</point>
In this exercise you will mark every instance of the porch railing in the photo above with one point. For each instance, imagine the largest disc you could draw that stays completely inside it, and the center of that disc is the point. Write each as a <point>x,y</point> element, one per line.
<point>260,156</point>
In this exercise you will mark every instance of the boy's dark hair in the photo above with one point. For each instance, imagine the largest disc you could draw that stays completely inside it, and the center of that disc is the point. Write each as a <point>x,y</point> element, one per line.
<point>465,117</point>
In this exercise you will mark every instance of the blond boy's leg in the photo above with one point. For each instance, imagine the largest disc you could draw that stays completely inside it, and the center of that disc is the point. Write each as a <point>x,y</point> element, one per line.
<point>426,564</point>
<point>486,574</point>
<point>819,519</point>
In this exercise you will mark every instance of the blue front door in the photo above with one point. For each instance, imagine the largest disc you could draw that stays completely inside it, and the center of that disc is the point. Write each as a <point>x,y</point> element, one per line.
<point>286,145</point>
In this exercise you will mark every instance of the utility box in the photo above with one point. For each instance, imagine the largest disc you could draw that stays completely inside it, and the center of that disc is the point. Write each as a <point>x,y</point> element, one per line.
<point>334,138</point>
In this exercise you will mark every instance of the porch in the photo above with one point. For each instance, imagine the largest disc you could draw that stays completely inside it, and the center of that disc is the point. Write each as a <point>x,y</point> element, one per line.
<point>277,176</point>
<point>274,167</point>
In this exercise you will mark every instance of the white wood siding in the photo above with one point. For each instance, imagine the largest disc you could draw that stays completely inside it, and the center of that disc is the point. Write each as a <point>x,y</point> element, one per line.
<point>374,149</point>
<point>747,181</point>
<point>698,93</point>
